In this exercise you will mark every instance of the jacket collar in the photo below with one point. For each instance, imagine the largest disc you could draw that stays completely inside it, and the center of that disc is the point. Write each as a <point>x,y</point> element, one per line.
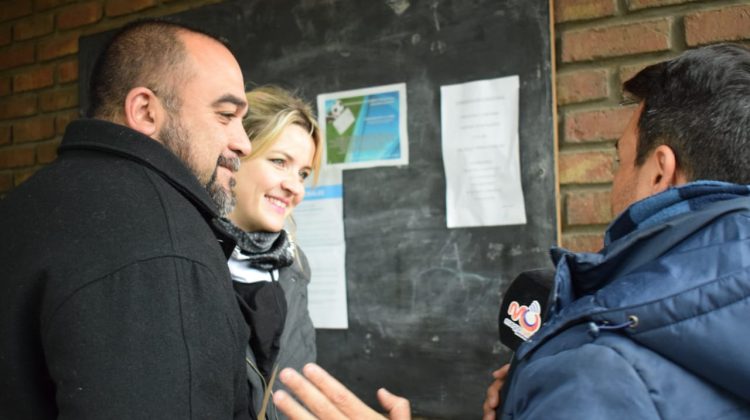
<point>110,138</point>
<point>580,275</point>
<point>114,139</point>
<point>662,207</point>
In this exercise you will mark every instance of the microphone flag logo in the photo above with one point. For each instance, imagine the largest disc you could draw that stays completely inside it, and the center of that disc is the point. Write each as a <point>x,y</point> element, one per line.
<point>524,320</point>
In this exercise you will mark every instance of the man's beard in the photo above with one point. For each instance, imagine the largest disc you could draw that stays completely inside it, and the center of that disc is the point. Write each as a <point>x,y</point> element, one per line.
<point>225,200</point>
<point>177,139</point>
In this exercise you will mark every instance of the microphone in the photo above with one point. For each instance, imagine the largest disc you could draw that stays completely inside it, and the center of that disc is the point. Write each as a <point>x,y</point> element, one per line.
<point>525,306</point>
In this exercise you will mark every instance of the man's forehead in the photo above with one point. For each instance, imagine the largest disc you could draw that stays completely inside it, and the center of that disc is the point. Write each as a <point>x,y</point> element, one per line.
<point>216,69</point>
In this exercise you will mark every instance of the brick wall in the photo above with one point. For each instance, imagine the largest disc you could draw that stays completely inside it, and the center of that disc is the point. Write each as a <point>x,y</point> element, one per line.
<point>599,43</point>
<point>39,71</point>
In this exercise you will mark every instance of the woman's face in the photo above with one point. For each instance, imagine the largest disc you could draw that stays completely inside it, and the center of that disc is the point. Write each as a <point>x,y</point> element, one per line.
<point>271,184</point>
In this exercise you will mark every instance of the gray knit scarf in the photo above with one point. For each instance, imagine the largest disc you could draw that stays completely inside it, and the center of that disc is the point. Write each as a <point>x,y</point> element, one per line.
<point>265,250</point>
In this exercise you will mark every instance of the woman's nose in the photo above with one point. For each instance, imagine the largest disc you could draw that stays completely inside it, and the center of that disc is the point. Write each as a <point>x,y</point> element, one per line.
<point>293,183</point>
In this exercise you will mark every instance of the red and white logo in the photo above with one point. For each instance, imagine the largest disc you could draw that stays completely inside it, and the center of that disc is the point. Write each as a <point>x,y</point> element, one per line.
<point>524,320</point>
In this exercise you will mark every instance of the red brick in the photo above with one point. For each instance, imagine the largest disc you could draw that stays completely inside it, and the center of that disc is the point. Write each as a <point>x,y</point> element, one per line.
<point>58,46</point>
<point>36,78</point>
<point>17,55</point>
<point>727,24</point>
<point>59,99</point>
<point>20,176</point>
<point>11,9</point>
<point>17,106</point>
<point>599,125</point>
<point>6,182</point>
<point>6,34</point>
<point>124,7</point>
<point>643,4</point>
<point>5,131</point>
<point>33,129</point>
<point>588,207</point>
<point>616,41</point>
<point>5,85</point>
<point>47,152</point>
<point>586,167</point>
<point>583,242</point>
<point>570,10</point>
<point>33,27</point>
<point>63,119</point>
<point>17,157</point>
<point>67,71</point>
<point>79,15</point>
<point>581,86</point>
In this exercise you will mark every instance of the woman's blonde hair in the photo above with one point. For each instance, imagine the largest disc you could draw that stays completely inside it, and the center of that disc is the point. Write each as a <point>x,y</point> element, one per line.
<point>271,109</point>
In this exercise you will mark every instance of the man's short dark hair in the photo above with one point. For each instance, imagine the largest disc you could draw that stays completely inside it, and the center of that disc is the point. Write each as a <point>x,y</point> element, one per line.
<point>698,104</point>
<point>146,52</point>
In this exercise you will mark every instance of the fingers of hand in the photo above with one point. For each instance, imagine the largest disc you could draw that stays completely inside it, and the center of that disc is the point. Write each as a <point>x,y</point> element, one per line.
<point>491,403</point>
<point>343,399</point>
<point>503,371</point>
<point>291,408</point>
<point>311,396</point>
<point>493,393</point>
<point>398,408</point>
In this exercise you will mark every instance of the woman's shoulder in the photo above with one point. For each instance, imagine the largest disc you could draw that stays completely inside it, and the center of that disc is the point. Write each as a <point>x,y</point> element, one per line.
<point>301,262</point>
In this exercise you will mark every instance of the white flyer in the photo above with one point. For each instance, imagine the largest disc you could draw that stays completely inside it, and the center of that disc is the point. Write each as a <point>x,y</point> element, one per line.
<point>479,123</point>
<point>319,222</point>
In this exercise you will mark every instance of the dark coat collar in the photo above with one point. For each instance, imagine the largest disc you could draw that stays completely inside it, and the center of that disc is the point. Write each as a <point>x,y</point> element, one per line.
<point>106,137</point>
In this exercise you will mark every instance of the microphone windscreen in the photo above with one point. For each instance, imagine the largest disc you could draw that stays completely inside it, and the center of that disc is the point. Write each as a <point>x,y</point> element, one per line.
<point>525,306</point>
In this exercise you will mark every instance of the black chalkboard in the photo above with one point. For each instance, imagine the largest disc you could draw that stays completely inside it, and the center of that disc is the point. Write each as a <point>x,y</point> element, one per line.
<point>423,299</point>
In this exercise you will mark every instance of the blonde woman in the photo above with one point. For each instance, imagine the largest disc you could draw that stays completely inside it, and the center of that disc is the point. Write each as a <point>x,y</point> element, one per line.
<point>270,273</point>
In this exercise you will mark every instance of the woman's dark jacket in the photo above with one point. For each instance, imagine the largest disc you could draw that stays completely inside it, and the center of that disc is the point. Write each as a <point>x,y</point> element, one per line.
<point>297,341</point>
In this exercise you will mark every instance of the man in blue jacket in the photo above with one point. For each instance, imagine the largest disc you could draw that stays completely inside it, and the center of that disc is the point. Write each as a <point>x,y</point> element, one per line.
<point>655,325</point>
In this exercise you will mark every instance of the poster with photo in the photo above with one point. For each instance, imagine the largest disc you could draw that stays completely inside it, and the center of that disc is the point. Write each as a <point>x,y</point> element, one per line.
<point>364,128</point>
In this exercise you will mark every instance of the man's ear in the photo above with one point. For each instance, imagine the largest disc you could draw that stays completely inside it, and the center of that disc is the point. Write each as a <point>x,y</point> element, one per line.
<point>143,111</point>
<point>665,171</point>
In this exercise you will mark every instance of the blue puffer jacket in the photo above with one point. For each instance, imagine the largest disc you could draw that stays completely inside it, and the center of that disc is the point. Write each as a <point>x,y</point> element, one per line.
<point>655,326</point>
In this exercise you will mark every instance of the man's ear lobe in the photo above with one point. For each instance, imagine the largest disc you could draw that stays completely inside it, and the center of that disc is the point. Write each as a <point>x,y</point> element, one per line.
<point>143,111</point>
<point>666,173</point>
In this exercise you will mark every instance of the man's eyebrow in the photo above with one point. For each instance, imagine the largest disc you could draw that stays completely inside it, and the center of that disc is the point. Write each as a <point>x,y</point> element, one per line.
<point>232,99</point>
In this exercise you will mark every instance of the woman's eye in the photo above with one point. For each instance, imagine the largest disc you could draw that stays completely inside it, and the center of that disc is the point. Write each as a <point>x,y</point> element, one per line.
<point>277,162</point>
<point>303,175</point>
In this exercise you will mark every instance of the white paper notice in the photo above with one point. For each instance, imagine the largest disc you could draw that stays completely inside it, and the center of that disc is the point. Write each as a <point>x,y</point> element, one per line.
<point>320,234</point>
<point>480,153</point>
